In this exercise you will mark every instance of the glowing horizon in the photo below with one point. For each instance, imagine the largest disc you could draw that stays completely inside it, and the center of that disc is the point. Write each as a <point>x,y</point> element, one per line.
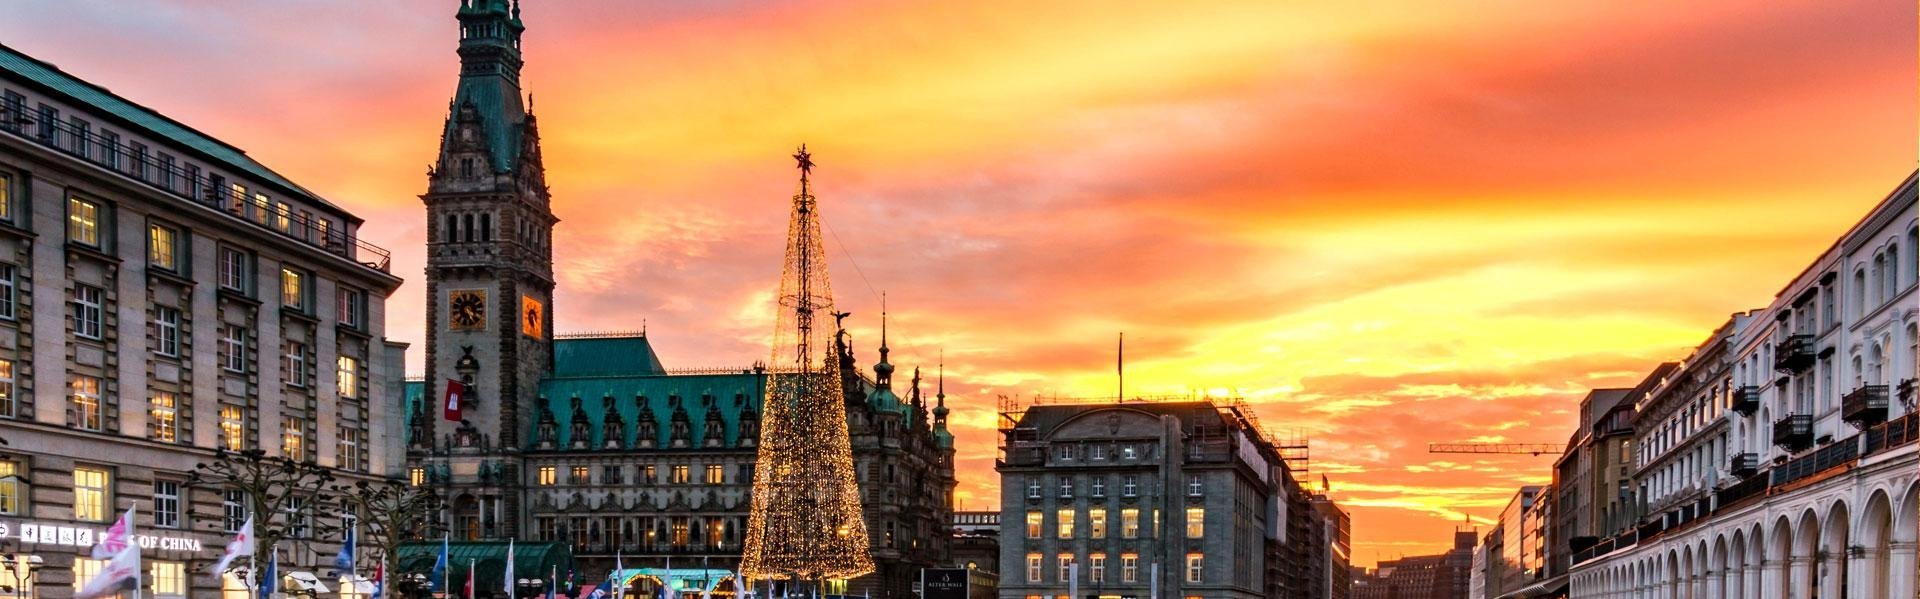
<point>1383,224</point>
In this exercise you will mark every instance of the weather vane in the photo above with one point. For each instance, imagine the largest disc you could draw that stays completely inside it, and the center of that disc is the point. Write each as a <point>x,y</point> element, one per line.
<point>805,160</point>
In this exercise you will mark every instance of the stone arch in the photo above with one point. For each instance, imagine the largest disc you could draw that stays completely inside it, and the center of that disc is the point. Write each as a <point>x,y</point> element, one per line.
<point>1830,569</point>
<point>1673,573</point>
<point>1876,538</point>
<point>1803,556</point>
<point>1779,551</point>
<point>1736,584</point>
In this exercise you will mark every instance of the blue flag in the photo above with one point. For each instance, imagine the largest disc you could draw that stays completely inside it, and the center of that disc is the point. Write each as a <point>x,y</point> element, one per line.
<point>344,561</point>
<point>439,576</point>
<point>605,589</point>
<point>270,582</point>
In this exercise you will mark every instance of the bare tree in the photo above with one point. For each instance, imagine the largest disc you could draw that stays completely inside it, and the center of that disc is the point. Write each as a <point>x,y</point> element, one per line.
<point>390,512</point>
<point>282,495</point>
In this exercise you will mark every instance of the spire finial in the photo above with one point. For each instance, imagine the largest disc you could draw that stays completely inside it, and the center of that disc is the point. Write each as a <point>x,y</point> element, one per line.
<point>883,325</point>
<point>805,161</point>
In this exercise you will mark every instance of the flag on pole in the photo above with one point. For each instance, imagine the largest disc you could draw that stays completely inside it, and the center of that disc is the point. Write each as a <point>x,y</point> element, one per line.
<point>509,574</point>
<point>706,582</point>
<point>470,588</point>
<point>614,584</point>
<point>242,544</point>
<point>116,539</point>
<point>439,577</point>
<point>380,580</point>
<point>343,561</point>
<point>553,581</point>
<point>270,582</point>
<point>456,394</point>
<point>122,572</point>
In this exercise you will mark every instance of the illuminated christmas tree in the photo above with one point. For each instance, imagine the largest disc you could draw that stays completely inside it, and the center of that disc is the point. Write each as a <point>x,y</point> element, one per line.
<point>806,522</point>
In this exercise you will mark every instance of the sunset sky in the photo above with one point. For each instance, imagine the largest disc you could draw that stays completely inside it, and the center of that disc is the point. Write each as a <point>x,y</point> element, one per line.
<point>1383,224</point>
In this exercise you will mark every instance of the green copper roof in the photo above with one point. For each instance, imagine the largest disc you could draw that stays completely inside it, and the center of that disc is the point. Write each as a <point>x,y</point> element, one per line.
<point>728,392</point>
<point>883,400</point>
<point>605,356</point>
<point>150,123</point>
<point>488,559</point>
<point>497,103</point>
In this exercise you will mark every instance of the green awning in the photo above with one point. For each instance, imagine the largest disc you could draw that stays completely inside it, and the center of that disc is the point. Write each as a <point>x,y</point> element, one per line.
<point>489,559</point>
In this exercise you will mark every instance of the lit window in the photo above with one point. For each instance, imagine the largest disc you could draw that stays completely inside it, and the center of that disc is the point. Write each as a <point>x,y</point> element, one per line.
<point>90,486</point>
<point>548,476</point>
<point>86,402</point>
<point>1033,567</point>
<point>1063,522</point>
<point>577,475</point>
<point>6,189</point>
<point>1196,522</point>
<point>1193,567</point>
<point>162,415</point>
<point>166,331</point>
<point>346,377</point>
<point>262,207</point>
<point>293,438</point>
<point>416,476</point>
<point>166,504</point>
<point>1097,522</point>
<point>10,487</point>
<point>1065,562</point>
<point>293,288</point>
<point>84,569</point>
<point>83,222</point>
<point>1097,568</point>
<point>9,405</point>
<point>86,311</point>
<point>1034,524</point>
<point>1130,523</point>
<point>715,474</point>
<point>680,475</point>
<point>233,433</point>
<point>161,247</point>
<point>1129,568</point>
<point>283,217</point>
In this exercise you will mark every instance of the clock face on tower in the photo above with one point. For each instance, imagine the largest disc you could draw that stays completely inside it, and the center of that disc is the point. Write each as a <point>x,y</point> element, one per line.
<point>467,309</point>
<point>530,311</point>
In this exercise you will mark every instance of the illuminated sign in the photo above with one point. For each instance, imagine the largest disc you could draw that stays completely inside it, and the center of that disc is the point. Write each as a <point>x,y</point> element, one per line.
<point>75,536</point>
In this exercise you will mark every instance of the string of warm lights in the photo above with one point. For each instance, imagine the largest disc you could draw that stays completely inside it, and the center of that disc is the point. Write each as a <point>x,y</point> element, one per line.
<point>806,521</point>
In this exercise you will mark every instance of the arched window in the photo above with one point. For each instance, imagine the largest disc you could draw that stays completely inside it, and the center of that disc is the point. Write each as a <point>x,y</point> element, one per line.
<point>1890,278</point>
<point>1860,292</point>
<point>486,226</point>
<point>1876,367</point>
<point>1913,255</point>
<point>452,234</point>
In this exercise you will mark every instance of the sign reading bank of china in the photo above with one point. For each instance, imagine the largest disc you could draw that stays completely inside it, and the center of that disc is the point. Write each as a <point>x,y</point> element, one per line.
<point>74,536</point>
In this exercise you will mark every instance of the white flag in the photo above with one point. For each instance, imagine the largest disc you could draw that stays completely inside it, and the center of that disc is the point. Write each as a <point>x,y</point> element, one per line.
<point>116,538</point>
<point>122,572</point>
<point>509,583</point>
<point>241,546</point>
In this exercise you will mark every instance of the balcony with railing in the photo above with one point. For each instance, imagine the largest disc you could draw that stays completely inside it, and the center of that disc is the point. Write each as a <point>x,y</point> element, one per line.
<point>1893,434</point>
<point>1746,400</point>
<point>1794,432</point>
<point>193,185</point>
<point>1793,354</point>
<point>1744,465</point>
<point>1865,407</point>
<point>1834,454</point>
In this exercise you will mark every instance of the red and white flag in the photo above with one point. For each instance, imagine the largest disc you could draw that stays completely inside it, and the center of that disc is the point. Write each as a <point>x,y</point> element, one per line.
<point>117,538</point>
<point>470,594</point>
<point>242,545</point>
<point>120,573</point>
<point>456,395</point>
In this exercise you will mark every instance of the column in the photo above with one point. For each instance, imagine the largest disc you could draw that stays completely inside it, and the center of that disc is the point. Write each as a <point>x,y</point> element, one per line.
<point>1771,574</point>
<point>1859,573</point>
<point>1713,584</point>
<point>1799,576</point>
<point>1900,566</point>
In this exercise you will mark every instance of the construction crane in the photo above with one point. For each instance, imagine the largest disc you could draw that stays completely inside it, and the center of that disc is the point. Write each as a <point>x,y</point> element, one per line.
<point>1536,449</point>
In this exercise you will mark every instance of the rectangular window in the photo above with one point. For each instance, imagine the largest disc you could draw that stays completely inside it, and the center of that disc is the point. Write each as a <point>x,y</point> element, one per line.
<point>1193,485</point>
<point>10,478</point>
<point>162,247</point>
<point>577,475</point>
<point>1196,522</point>
<point>648,475</point>
<point>416,476</point>
<point>84,569</point>
<point>351,304</point>
<point>299,518</point>
<point>233,510</point>
<point>86,311</point>
<point>166,504</point>
<point>233,434</point>
<point>293,289</point>
<point>1129,486</point>
<point>1099,487</point>
<point>260,208</point>
<point>347,451</point>
<point>233,348</point>
<point>293,438</point>
<point>49,123</point>
<point>282,217</point>
<point>83,222</point>
<point>548,476</point>
<point>1033,567</point>
<point>166,331</point>
<point>90,488</point>
<point>346,377</point>
<point>166,170</point>
<point>1066,487</point>
<point>9,294</point>
<point>715,474</point>
<point>1034,524</point>
<point>1097,568</point>
<point>1063,521</point>
<point>234,265</point>
<point>1097,522</point>
<point>86,402</point>
<point>1065,563</point>
<point>139,160</point>
<point>6,194</point>
<point>681,475</point>
<point>169,580</point>
<point>610,474</point>
<point>13,110</point>
<point>1193,567</point>
<point>110,149</point>
<point>162,415</point>
<point>294,357</point>
<point>1129,522</point>
<point>9,405</point>
<point>1129,568</point>
<point>1033,488</point>
<point>82,136</point>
